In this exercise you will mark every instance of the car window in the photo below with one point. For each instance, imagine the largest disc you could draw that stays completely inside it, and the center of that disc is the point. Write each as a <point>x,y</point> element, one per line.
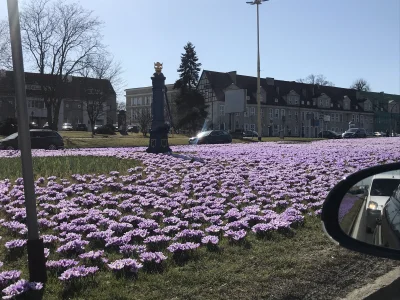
<point>12,136</point>
<point>384,186</point>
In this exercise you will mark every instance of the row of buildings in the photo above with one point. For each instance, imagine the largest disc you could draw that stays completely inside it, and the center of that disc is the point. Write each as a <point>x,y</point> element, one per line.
<point>73,108</point>
<point>296,109</point>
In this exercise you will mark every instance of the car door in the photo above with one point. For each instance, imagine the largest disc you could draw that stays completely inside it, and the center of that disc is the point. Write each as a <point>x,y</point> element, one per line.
<point>35,139</point>
<point>214,137</point>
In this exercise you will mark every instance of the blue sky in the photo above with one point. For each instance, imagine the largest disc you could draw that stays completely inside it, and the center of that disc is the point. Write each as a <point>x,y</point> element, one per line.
<point>341,39</point>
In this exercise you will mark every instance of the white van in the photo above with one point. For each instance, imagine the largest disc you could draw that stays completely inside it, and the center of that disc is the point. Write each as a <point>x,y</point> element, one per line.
<point>381,188</point>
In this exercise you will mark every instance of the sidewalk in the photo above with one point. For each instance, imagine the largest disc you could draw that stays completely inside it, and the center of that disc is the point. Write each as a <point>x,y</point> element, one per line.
<point>386,287</point>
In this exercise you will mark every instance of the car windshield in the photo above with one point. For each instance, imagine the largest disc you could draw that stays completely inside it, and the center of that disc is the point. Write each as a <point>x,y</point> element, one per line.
<point>204,133</point>
<point>12,136</point>
<point>384,186</point>
<point>67,124</point>
<point>352,130</point>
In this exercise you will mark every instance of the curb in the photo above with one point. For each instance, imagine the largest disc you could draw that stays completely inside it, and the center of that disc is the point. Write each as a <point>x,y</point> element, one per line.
<point>380,283</point>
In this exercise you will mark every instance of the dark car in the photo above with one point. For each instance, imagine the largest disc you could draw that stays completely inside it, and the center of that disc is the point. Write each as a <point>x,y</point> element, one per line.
<point>329,134</point>
<point>355,133</point>
<point>250,133</point>
<point>81,127</point>
<point>211,137</point>
<point>133,128</point>
<point>390,222</point>
<point>40,139</point>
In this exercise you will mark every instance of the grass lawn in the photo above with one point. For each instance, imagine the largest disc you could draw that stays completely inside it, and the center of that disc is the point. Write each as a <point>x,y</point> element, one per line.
<point>304,266</point>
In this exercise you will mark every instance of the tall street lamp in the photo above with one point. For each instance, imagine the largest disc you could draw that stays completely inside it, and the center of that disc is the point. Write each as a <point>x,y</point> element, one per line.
<point>258,2</point>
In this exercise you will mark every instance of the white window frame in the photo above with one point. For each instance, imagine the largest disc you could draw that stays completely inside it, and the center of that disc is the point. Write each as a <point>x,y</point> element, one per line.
<point>276,113</point>
<point>246,126</point>
<point>253,127</point>
<point>289,114</point>
<point>252,111</point>
<point>357,118</point>
<point>135,101</point>
<point>271,113</point>
<point>222,110</point>
<point>139,102</point>
<point>282,113</point>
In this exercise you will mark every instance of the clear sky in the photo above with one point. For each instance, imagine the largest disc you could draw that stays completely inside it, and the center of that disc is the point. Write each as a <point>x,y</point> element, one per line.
<point>341,39</point>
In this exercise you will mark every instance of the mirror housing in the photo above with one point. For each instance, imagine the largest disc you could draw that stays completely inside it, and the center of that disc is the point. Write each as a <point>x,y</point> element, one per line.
<point>330,214</point>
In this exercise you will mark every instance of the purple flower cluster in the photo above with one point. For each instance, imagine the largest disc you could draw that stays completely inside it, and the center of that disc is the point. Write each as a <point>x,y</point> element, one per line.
<point>153,257</point>
<point>126,264</point>
<point>20,287</point>
<point>78,272</point>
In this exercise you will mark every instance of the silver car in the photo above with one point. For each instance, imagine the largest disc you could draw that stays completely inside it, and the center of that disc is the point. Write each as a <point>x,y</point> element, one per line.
<point>67,127</point>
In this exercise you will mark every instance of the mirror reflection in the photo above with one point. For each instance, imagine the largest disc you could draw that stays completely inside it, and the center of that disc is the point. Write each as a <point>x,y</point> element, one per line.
<point>370,210</point>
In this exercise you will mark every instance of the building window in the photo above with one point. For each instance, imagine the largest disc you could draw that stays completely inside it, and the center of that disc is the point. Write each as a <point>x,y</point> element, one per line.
<point>222,110</point>
<point>289,114</point>
<point>296,115</point>
<point>246,114</point>
<point>327,102</point>
<point>357,118</point>
<point>352,118</point>
<point>246,126</point>
<point>276,100</point>
<point>252,111</point>
<point>271,113</point>
<point>361,119</point>
<point>320,102</point>
<point>253,127</point>
<point>237,114</point>
<point>276,113</point>
<point>135,101</point>
<point>139,101</point>
<point>237,124</point>
<point>282,112</point>
<point>296,101</point>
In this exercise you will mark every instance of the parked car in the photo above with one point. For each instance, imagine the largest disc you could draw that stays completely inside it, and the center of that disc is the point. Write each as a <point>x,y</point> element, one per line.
<point>329,134</point>
<point>250,133</point>
<point>33,125</point>
<point>382,187</point>
<point>67,127</point>
<point>390,227</point>
<point>105,129</point>
<point>133,128</point>
<point>81,127</point>
<point>354,133</point>
<point>40,139</point>
<point>211,137</point>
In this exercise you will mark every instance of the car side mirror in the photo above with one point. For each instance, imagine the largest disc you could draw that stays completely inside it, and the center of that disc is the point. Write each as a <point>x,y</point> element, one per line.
<point>362,212</point>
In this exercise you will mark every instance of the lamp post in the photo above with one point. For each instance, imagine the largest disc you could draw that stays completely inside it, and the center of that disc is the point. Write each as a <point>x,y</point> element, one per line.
<point>391,122</point>
<point>258,2</point>
<point>36,259</point>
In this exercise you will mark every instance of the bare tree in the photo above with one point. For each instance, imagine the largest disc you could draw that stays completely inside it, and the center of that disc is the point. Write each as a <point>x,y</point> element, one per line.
<point>5,46</point>
<point>361,85</point>
<point>144,119</point>
<point>316,80</point>
<point>98,73</point>
<point>58,37</point>
<point>121,105</point>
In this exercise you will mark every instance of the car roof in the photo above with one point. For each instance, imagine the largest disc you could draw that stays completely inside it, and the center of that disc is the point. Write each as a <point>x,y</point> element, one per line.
<point>45,130</point>
<point>386,176</point>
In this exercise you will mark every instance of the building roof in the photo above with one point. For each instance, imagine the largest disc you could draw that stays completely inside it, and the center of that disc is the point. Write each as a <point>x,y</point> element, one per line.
<point>34,80</point>
<point>219,81</point>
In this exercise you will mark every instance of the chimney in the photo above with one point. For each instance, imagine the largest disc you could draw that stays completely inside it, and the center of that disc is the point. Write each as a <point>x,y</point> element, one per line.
<point>233,76</point>
<point>270,81</point>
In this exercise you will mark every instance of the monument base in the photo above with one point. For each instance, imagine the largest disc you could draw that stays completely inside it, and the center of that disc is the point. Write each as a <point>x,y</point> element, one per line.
<point>158,143</point>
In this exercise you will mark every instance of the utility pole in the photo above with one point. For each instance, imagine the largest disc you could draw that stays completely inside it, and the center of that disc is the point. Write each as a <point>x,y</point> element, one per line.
<point>36,259</point>
<point>258,3</point>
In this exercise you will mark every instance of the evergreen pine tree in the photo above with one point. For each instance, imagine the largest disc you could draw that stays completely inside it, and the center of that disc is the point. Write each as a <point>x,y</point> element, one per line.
<point>190,103</point>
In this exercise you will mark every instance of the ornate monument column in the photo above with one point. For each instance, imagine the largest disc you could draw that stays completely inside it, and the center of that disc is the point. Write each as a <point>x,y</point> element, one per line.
<point>159,128</point>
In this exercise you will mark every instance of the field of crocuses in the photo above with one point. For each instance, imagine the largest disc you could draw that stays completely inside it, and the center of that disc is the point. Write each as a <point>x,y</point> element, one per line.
<point>158,215</point>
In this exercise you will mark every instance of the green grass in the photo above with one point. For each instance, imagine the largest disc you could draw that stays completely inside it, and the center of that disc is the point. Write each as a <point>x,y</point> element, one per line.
<point>65,166</point>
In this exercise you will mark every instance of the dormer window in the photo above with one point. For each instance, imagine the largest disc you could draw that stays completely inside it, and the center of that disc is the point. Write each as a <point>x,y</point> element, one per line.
<point>308,102</point>
<point>276,100</point>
